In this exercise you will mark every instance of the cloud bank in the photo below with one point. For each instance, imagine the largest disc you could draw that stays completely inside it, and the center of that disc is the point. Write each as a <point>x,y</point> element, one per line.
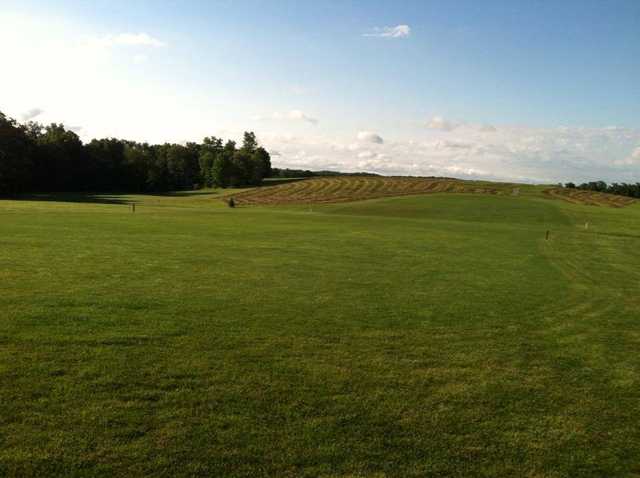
<point>509,153</point>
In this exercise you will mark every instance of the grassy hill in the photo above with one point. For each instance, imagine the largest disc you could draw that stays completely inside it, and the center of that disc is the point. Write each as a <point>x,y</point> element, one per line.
<point>346,189</point>
<point>418,335</point>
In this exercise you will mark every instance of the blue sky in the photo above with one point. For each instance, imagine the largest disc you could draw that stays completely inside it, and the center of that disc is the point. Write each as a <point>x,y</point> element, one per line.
<point>539,91</point>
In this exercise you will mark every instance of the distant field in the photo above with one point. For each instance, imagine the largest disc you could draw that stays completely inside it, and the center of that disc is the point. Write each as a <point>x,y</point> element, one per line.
<point>409,336</point>
<point>349,188</point>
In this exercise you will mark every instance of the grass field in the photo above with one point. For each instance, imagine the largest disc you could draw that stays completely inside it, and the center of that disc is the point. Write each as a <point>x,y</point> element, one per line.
<point>429,335</point>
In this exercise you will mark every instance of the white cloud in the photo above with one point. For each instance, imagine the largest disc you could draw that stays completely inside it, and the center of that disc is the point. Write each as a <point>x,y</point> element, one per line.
<point>127,39</point>
<point>442,124</point>
<point>370,137</point>
<point>299,90</point>
<point>31,114</point>
<point>366,155</point>
<point>299,115</point>
<point>399,31</point>
<point>448,144</point>
<point>138,39</point>
<point>487,128</point>
<point>632,160</point>
<point>293,115</point>
<point>140,59</point>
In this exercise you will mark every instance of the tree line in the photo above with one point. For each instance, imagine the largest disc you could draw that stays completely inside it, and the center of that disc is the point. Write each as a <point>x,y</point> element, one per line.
<point>621,189</point>
<point>52,158</point>
<point>306,173</point>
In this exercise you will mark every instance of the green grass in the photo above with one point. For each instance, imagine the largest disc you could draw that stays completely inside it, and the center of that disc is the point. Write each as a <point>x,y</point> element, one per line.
<point>436,335</point>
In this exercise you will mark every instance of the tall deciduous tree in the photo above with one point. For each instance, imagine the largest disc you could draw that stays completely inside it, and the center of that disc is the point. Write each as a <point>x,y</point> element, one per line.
<point>249,142</point>
<point>262,165</point>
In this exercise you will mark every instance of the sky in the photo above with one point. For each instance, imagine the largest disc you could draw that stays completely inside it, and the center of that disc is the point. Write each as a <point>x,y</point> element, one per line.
<point>534,91</point>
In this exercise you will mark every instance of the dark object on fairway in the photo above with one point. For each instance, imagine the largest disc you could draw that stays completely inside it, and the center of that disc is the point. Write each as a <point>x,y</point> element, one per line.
<point>133,207</point>
<point>231,202</point>
<point>547,238</point>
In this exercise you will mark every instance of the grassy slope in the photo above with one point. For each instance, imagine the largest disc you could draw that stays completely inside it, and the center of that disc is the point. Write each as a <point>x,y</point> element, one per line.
<point>408,336</point>
<point>327,190</point>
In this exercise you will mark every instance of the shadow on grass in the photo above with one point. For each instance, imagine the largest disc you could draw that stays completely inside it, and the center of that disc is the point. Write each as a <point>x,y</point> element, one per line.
<point>72,197</point>
<point>101,198</point>
<point>124,197</point>
<point>182,193</point>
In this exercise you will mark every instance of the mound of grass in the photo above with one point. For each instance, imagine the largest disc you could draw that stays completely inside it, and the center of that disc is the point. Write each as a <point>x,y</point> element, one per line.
<point>344,189</point>
<point>593,198</point>
<point>410,336</point>
<point>347,189</point>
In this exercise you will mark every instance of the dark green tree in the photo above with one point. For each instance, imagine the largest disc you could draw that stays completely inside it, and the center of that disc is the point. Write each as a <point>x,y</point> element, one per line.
<point>222,170</point>
<point>158,178</point>
<point>107,165</point>
<point>249,142</point>
<point>16,162</point>
<point>182,165</point>
<point>261,166</point>
<point>138,158</point>
<point>210,149</point>
<point>242,170</point>
<point>61,160</point>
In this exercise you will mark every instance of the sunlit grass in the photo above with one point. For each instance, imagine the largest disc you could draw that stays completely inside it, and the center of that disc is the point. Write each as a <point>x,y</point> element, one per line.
<point>436,335</point>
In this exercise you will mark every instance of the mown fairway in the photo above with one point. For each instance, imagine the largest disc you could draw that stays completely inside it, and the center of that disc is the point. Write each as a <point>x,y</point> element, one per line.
<point>436,335</point>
